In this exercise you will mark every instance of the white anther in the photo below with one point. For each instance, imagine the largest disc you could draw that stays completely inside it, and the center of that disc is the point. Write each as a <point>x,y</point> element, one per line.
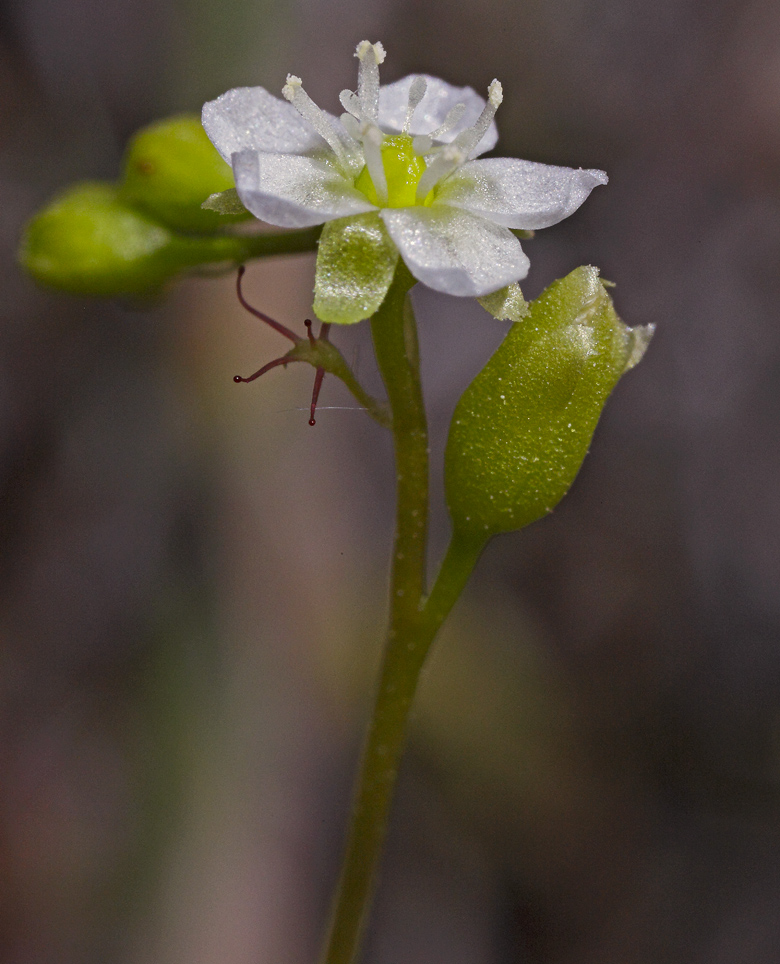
<point>293,83</point>
<point>495,93</point>
<point>370,56</point>
<point>467,140</point>
<point>294,92</point>
<point>416,93</point>
<point>365,45</point>
<point>444,163</point>
<point>372,139</point>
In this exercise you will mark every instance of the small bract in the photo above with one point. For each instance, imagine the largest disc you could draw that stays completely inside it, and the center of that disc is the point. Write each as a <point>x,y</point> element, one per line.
<point>398,173</point>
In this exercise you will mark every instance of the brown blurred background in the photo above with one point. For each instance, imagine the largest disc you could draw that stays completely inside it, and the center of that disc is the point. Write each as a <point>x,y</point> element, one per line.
<point>193,581</point>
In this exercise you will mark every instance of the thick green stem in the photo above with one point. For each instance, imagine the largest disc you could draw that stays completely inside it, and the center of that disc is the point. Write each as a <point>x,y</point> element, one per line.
<point>395,344</point>
<point>414,620</point>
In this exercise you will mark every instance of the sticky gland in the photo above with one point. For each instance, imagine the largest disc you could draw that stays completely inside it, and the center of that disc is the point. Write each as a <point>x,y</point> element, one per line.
<point>287,333</point>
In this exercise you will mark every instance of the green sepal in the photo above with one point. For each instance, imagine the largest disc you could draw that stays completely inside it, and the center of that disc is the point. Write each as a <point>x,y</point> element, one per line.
<point>170,168</point>
<point>355,265</point>
<point>225,203</point>
<point>506,304</point>
<point>523,427</point>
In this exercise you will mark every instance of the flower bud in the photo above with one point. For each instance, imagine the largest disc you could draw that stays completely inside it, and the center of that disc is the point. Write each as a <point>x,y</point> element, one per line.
<point>88,242</point>
<point>523,427</point>
<point>170,169</point>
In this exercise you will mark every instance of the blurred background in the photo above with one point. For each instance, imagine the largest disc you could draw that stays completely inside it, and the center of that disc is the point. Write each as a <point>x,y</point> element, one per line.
<point>192,580</point>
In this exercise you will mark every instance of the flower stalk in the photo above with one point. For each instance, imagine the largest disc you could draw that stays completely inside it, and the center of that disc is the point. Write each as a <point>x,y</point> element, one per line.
<point>414,619</point>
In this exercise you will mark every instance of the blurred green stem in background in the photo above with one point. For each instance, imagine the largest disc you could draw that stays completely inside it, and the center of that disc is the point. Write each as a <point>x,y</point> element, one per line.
<point>413,620</point>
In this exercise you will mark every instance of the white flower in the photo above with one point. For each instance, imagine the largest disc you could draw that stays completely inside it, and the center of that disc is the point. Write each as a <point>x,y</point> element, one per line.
<point>398,172</point>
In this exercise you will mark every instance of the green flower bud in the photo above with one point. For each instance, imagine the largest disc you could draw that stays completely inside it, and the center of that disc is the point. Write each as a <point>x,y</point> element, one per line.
<point>523,427</point>
<point>88,242</point>
<point>170,169</point>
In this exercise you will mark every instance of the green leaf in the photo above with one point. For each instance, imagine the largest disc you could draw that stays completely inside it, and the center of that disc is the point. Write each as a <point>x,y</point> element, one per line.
<point>355,265</point>
<point>523,427</point>
<point>170,169</point>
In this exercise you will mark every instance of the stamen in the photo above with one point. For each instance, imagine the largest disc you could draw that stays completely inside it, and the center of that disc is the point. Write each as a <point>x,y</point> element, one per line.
<point>454,115</point>
<point>370,57</point>
<point>443,164</point>
<point>423,144</point>
<point>467,140</point>
<point>372,151</point>
<point>294,92</point>
<point>351,103</point>
<point>416,93</point>
<point>276,325</point>
<point>351,125</point>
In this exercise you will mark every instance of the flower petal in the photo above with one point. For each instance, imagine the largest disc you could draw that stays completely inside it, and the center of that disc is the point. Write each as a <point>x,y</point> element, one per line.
<point>355,264</point>
<point>293,191</point>
<point>454,251</point>
<point>249,118</point>
<point>518,194</point>
<point>440,97</point>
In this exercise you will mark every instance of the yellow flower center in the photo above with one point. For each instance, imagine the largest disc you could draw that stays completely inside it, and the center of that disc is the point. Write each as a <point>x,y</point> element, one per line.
<point>403,170</point>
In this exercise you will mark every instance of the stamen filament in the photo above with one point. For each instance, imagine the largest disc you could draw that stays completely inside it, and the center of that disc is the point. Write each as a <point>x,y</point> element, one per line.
<point>454,114</point>
<point>467,140</point>
<point>423,143</point>
<point>442,165</point>
<point>416,93</point>
<point>294,92</point>
<point>370,57</point>
<point>352,126</point>
<point>372,151</point>
<point>351,103</point>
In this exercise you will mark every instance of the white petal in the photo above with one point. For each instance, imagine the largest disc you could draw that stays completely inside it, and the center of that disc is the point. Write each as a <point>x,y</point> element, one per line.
<point>249,118</point>
<point>518,194</point>
<point>439,98</point>
<point>455,252</point>
<point>294,192</point>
